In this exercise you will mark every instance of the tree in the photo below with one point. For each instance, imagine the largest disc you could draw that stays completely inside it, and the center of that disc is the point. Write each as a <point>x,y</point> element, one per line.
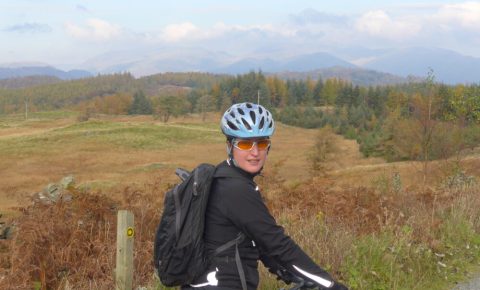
<point>330,91</point>
<point>278,91</point>
<point>323,149</point>
<point>140,105</point>
<point>168,106</point>
<point>425,108</point>
<point>464,105</point>
<point>317,93</point>
<point>205,104</point>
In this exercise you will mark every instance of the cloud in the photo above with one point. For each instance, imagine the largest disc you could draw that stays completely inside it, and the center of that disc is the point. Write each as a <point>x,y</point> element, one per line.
<point>465,15</point>
<point>188,32</point>
<point>177,32</point>
<point>310,15</point>
<point>447,26</point>
<point>306,32</point>
<point>29,28</point>
<point>95,29</point>
<point>379,24</point>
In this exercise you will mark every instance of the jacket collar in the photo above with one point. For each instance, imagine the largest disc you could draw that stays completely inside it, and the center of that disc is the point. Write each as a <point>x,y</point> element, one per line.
<point>228,169</point>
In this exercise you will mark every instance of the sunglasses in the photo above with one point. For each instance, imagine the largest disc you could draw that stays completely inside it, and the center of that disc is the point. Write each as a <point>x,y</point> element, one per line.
<point>262,144</point>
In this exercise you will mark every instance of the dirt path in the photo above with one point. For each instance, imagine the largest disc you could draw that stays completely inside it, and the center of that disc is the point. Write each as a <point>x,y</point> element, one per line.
<point>473,284</point>
<point>14,132</point>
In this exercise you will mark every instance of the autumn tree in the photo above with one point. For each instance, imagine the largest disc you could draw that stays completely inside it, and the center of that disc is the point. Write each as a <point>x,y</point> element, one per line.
<point>278,91</point>
<point>167,106</point>
<point>330,91</point>
<point>115,104</point>
<point>205,104</point>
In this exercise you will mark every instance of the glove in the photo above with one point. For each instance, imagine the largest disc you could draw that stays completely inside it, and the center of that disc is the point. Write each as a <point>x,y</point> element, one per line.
<point>337,286</point>
<point>285,276</point>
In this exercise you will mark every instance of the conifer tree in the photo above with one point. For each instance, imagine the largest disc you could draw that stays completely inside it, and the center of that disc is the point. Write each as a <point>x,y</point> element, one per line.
<point>140,105</point>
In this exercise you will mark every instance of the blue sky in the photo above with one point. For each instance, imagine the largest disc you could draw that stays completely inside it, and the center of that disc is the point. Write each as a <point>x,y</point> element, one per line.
<point>68,33</point>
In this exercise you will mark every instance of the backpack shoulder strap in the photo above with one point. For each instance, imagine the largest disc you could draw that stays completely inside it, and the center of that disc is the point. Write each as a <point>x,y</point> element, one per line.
<point>235,242</point>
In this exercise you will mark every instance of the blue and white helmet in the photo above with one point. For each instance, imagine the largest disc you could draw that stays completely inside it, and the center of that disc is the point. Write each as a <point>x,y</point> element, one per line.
<point>247,120</point>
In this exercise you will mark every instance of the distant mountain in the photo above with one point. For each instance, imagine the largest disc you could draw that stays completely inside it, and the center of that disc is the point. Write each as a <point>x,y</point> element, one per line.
<point>17,72</point>
<point>314,61</point>
<point>165,59</point>
<point>299,63</point>
<point>314,65</point>
<point>158,60</point>
<point>364,66</point>
<point>29,81</point>
<point>247,65</point>
<point>448,66</point>
<point>357,76</point>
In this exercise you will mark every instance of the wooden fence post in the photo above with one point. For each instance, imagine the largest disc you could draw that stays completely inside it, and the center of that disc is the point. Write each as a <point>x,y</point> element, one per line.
<point>125,234</point>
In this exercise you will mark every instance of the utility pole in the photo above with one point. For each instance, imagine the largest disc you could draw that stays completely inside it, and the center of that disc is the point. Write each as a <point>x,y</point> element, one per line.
<point>258,97</point>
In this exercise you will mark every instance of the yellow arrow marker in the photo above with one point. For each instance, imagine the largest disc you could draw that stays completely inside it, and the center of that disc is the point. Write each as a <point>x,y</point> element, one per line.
<point>130,232</point>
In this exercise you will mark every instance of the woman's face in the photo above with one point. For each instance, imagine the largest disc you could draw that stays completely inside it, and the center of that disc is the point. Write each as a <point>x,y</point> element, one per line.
<point>249,154</point>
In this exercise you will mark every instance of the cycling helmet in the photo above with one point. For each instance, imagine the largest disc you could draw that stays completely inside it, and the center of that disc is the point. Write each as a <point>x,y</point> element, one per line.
<point>247,120</point>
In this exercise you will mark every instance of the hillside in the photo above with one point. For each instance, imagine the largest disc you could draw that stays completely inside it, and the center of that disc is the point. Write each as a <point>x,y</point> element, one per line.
<point>358,76</point>
<point>28,81</point>
<point>448,66</point>
<point>30,159</point>
<point>23,71</point>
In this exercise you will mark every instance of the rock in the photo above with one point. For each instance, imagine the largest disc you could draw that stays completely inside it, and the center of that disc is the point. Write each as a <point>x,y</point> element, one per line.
<point>6,233</point>
<point>53,191</point>
<point>68,182</point>
<point>56,191</point>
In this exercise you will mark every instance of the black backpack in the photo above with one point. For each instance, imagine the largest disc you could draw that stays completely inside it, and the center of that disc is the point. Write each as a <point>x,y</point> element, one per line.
<point>179,250</point>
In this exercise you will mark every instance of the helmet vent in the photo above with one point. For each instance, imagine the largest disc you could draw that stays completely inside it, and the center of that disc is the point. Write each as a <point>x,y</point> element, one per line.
<point>246,124</point>
<point>247,120</point>
<point>232,126</point>
<point>252,115</point>
<point>262,122</point>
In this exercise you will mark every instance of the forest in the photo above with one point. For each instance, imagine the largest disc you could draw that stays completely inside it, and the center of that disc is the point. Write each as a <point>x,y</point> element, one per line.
<point>418,120</point>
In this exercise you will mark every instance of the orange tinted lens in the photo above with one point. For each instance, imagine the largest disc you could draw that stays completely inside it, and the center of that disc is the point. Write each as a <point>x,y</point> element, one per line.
<point>245,144</point>
<point>263,144</point>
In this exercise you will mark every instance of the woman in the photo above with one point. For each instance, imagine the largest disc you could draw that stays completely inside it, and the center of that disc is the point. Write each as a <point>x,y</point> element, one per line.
<point>236,211</point>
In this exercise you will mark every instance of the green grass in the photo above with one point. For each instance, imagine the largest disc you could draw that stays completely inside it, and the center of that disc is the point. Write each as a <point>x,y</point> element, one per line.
<point>35,119</point>
<point>46,115</point>
<point>112,134</point>
<point>396,261</point>
<point>137,136</point>
<point>52,115</point>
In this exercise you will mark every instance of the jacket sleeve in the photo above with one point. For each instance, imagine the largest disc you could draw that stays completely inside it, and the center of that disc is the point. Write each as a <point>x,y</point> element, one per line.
<point>246,209</point>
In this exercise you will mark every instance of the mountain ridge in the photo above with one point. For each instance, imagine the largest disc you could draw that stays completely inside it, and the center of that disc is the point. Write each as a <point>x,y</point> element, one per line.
<point>372,68</point>
<point>26,71</point>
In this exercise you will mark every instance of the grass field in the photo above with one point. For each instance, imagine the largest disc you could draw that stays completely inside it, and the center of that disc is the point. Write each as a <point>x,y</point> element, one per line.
<point>386,235</point>
<point>109,152</point>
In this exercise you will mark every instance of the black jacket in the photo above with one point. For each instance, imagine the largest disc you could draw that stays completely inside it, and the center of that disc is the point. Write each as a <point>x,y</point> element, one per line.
<point>236,205</point>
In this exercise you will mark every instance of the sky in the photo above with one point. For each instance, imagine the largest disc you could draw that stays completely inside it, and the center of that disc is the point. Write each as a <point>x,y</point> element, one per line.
<point>69,33</point>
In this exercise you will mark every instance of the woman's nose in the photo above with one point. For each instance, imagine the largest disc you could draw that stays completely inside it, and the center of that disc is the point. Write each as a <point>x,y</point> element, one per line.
<point>254,150</point>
